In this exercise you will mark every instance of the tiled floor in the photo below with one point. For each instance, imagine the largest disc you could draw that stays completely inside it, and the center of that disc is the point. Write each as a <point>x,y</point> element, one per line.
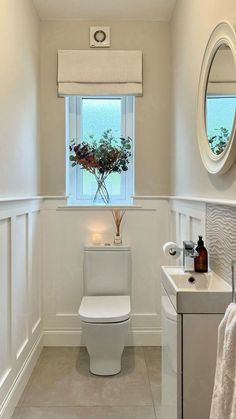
<point>61,387</point>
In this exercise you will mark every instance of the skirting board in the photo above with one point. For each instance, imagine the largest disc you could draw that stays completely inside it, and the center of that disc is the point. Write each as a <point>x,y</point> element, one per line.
<point>139,337</point>
<point>10,402</point>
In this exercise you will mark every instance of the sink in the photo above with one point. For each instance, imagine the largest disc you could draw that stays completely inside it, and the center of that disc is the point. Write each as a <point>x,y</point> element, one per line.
<point>194,281</point>
<point>192,292</point>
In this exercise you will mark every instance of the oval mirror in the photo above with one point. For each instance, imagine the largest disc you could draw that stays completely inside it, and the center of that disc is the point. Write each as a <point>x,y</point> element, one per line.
<point>217,100</point>
<point>220,101</point>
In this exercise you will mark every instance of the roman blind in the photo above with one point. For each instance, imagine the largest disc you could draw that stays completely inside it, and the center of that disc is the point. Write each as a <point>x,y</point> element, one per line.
<point>85,72</point>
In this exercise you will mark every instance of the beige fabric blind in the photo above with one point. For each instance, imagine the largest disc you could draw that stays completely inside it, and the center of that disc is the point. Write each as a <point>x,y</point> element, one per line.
<point>99,72</point>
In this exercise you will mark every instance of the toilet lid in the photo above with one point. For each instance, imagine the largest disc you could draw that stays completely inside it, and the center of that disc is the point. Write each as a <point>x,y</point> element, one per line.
<point>105,309</point>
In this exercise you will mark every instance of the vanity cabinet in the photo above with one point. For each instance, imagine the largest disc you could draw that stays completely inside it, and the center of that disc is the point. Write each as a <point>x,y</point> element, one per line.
<point>188,361</point>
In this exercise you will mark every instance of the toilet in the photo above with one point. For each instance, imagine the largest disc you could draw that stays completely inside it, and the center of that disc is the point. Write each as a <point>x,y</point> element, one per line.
<point>105,308</point>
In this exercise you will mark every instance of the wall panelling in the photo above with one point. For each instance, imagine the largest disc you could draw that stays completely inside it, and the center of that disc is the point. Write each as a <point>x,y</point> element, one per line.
<point>64,234</point>
<point>20,298</point>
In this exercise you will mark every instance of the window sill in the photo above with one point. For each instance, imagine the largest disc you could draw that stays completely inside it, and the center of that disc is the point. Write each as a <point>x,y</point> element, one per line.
<point>71,207</point>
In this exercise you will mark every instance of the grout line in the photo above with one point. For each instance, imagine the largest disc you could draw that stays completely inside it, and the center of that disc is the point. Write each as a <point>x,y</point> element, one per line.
<point>150,387</point>
<point>155,409</point>
<point>36,406</point>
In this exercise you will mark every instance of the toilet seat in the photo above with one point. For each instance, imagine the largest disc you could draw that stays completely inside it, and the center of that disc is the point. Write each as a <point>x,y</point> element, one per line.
<point>105,309</point>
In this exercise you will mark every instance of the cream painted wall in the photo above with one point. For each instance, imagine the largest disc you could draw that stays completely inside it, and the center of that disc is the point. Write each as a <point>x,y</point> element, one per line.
<point>19,82</point>
<point>191,26</point>
<point>152,110</point>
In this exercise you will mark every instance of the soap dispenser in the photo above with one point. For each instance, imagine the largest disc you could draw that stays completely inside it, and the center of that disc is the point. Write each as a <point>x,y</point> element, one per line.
<point>201,261</point>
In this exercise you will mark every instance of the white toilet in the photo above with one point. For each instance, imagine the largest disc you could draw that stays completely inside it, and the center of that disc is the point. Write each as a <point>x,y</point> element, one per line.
<point>105,308</point>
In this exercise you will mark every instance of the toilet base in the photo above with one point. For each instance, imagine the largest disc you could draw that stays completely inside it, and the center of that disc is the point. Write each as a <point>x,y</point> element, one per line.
<point>100,366</point>
<point>105,344</point>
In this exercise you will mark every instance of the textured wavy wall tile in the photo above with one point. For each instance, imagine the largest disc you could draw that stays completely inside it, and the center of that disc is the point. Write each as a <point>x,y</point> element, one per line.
<point>221,238</point>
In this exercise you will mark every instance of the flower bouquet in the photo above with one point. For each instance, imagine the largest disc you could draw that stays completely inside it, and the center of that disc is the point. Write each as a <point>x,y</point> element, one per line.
<point>101,158</point>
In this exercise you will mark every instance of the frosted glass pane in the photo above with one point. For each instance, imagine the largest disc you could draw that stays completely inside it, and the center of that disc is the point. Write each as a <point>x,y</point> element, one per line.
<point>99,115</point>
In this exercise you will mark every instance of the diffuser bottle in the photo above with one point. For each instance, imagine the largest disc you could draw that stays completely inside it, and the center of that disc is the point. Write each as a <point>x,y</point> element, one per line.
<point>201,261</point>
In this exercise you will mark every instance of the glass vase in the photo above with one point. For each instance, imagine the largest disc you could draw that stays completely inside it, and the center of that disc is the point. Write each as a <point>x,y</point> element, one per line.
<point>101,194</point>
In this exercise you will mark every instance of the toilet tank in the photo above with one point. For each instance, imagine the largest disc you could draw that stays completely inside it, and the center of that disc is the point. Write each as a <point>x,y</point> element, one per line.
<point>107,270</point>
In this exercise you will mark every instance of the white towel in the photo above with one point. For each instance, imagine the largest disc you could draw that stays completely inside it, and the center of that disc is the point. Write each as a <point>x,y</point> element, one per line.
<point>224,393</point>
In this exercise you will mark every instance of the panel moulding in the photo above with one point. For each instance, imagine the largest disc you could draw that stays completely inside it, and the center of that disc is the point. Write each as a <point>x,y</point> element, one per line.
<point>21,343</point>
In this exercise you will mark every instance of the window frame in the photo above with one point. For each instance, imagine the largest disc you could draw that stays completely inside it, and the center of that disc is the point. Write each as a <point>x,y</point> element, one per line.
<point>74,176</point>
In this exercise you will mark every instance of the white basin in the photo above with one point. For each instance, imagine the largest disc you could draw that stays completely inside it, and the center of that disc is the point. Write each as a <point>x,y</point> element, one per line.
<point>195,292</point>
<point>194,281</point>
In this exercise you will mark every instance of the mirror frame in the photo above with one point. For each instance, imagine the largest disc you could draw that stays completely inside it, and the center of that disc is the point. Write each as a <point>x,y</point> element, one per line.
<point>223,33</point>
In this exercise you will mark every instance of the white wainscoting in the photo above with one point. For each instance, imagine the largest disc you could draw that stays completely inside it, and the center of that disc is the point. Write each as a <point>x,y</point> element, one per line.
<point>188,221</point>
<point>20,298</point>
<point>39,241</point>
<point>64,234</point>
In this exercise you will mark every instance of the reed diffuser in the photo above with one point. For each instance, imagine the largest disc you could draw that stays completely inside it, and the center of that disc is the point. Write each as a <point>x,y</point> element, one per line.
<point>118,217</point>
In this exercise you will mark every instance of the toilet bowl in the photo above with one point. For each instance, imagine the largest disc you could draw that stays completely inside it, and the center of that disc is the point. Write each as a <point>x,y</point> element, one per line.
<point>105,308</point>
<point>105,323</point>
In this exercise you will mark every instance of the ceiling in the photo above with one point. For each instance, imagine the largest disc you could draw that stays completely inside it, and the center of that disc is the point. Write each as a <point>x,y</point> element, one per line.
<point>105,9</point>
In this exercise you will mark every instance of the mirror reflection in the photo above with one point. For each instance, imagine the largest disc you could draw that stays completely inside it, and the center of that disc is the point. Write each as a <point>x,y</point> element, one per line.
<point>220,99</point>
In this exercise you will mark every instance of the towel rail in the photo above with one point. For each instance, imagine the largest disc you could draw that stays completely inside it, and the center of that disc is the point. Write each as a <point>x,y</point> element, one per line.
<point>233,282</point>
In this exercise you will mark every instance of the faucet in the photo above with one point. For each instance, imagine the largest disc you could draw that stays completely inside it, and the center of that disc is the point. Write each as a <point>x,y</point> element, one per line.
<point>189,253</point>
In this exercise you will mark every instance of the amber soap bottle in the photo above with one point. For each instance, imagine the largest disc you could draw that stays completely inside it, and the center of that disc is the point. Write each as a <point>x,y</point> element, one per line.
<point>201,261</point>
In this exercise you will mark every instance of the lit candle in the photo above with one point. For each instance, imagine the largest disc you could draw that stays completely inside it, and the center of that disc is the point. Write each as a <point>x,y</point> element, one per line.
<point>96,238</point>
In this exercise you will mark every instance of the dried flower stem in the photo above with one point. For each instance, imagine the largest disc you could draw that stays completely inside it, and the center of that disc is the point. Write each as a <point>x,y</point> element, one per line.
<point>118,217</point>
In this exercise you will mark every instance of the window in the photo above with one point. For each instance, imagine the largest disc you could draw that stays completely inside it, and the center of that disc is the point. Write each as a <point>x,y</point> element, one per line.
<point>86,116</point>
<point>220,116</point>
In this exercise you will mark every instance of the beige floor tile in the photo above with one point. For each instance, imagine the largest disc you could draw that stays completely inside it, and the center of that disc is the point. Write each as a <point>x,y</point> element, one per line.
<point>153,361</point>
<point>156,394</point>
<point>62,378</point>
<point>134,412</point>
<point>152,356</point>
